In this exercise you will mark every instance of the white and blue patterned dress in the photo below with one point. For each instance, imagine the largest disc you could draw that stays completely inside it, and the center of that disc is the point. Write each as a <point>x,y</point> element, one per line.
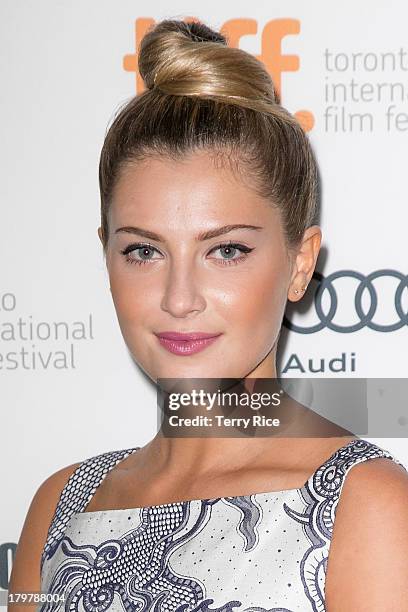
<point>252,553</point>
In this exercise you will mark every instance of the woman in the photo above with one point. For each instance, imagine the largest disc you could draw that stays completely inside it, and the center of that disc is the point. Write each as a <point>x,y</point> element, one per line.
<point>208,192</point>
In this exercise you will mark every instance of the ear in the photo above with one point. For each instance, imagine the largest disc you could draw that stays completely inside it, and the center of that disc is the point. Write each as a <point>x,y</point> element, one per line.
<point>100,234</point>
<point>305,262</point>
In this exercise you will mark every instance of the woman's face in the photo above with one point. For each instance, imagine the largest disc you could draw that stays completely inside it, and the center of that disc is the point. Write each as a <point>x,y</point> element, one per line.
<point>167,276</point>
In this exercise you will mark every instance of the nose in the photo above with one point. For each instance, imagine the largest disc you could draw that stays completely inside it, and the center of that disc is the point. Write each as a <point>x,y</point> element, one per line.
<point>183,291</point>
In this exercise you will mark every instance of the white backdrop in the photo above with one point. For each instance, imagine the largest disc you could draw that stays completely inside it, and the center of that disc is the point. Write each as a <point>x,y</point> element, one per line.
<point>66,66</point>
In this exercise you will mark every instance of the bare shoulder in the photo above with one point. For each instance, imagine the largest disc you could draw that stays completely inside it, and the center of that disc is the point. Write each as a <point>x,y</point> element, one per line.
<point>368,558</point>
<point>25,575</point>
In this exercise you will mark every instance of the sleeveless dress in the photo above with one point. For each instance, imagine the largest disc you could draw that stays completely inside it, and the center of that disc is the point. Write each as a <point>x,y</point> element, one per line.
<point>256,553</point>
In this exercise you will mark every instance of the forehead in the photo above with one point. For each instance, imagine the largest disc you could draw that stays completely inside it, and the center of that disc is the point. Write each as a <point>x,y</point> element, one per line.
<point>196,186</point>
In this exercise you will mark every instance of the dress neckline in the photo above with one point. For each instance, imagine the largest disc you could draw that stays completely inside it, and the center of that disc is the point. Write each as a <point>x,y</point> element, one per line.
<point>115,511</point>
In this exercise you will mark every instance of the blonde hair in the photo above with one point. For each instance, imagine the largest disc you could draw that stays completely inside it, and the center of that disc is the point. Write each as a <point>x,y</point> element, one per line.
<point>202,94</point>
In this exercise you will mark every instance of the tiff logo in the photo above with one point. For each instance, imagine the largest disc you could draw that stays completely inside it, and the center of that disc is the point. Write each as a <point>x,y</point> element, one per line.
<point>271,51</point>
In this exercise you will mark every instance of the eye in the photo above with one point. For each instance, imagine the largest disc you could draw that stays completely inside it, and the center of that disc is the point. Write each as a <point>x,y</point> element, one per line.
<point>145,251</point>
<point>230,249</point>
<point>142,249</point>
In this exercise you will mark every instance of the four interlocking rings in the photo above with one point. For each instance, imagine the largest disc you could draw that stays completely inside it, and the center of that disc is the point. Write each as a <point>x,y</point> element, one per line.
<point>366,319</point>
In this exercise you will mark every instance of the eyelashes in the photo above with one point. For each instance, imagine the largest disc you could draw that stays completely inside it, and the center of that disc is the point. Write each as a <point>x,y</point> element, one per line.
<point>226,246</point>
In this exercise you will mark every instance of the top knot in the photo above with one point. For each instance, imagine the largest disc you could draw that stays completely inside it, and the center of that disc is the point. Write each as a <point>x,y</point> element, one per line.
<point>190,59</point>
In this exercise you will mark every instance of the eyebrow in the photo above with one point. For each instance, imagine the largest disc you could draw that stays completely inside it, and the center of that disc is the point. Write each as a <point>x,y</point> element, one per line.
<point>206,235</point>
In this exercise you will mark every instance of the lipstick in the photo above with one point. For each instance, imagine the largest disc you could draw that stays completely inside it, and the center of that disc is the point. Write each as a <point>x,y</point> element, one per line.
<point>181,343</point>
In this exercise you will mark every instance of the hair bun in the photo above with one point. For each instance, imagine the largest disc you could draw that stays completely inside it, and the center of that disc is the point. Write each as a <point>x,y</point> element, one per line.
<point>167,39</point>
<point>189,58</point>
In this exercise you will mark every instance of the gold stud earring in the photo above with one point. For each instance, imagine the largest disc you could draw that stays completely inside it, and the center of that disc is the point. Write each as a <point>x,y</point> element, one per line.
<point>301,290</point>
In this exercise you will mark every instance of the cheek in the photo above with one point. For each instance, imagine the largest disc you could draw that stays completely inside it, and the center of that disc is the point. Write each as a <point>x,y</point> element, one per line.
<point>130,300</point>
<point>258,296</point>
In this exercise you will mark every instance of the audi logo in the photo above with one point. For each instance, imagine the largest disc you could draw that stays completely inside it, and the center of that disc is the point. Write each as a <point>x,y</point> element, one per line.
<point>365,319</point>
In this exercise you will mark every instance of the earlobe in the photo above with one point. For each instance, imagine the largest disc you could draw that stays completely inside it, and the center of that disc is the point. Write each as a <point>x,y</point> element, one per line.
<point>298,290</point>
<point>100,234</point>
<point>302,290</point>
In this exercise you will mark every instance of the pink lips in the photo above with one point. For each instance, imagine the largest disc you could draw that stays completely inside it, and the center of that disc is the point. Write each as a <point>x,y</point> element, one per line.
<point>185,343</point>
